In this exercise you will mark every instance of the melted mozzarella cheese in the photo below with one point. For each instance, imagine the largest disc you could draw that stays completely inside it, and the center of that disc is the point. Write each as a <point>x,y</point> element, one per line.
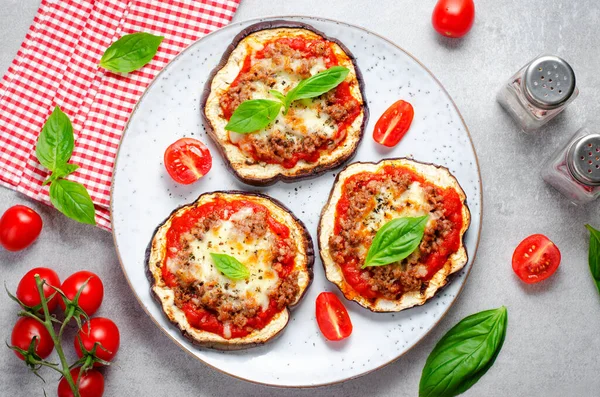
<point>411,203</point>
<point>255,253</point>
<point>305,117</point>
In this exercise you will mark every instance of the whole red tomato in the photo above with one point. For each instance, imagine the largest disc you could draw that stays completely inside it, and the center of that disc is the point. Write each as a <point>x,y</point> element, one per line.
<point>90,297</point>
<point>27,291</point>
<point>102,330</point>
<point>25,330</point>
<point>19,227</point>
<point>91,384</point>
<point>453,18</point>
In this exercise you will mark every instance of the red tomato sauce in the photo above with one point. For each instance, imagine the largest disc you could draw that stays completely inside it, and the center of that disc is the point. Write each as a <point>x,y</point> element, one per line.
<point>308,48</point>
<point>452,205</point>
<point>205,319</point>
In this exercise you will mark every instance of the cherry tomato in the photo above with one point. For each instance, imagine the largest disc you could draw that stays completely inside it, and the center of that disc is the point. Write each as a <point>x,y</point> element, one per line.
<point>332,317</point>
<point>393,124</point>
<point>91,384</point>
<point>25,330</point>
<point>535,259</point>
<point>27,290</point>
<point>91,296</point>
<point>453,18</point>
<point>19,227</point>
<point>100,330</point>
<point>187,160</point>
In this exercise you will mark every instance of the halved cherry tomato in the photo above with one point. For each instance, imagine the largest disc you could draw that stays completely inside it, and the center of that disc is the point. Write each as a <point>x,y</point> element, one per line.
<point>103,331</point>
<point>27,291</point>
<point>453,18</point>
<point>91,384</point>
<point>393,124</point>
<point>332,317</point>
<point>90,297</point>
<point>25,330</point>
<point>20,226</point>
<point>187,160</point>
<point>535,259</point>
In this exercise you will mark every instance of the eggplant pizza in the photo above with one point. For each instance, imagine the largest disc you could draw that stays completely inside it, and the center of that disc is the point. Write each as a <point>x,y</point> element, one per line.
<point>365,198</point>
<point>315,134</point>
<point>226,268</point>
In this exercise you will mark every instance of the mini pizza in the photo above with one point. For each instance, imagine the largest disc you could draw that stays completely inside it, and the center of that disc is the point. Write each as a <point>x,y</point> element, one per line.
<point>213,302</point>
<point>364,198</point>
<point>315,135</point>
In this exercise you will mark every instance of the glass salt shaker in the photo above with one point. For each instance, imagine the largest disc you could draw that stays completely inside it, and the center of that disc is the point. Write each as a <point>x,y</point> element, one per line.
<point>539,91</point>
<point>574,170</point>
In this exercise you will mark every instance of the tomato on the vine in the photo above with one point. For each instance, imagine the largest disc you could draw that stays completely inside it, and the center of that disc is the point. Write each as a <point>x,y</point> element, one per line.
<point>332,317</point>
<point>91,384</point>
<point>91,296</point>
<point>187,160</point>
<point>103,331</point>
<point>25,330</point>
<point>453,18</point>
<point>20,226</point>
<point>27,291</point>
<point>535,259</point>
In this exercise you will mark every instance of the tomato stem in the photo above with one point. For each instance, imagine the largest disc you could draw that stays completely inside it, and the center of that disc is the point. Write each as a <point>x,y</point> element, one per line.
<point>65,371</point>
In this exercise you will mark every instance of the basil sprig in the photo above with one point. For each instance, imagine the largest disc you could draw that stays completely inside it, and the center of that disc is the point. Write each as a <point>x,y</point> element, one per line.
<point>229,266</point>
<point>464,354</point>
<point>395,241</point>
<point>255,114</point>
<point>130,52</point>
<point>53,150</point>
<point>594,255</point>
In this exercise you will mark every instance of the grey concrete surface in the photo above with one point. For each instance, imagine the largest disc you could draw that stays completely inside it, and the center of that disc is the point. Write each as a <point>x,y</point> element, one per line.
<point>553,338</point>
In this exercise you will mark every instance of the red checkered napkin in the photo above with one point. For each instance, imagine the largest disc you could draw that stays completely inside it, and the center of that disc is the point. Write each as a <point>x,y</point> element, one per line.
<point>57,64</point>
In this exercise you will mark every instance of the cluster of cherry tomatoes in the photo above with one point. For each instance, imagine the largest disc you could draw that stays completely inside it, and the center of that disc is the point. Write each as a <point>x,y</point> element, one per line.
<point>97,330</point>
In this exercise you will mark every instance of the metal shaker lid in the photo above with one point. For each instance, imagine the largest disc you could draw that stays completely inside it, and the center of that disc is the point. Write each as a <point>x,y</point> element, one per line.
<point>549,81</point>
<point>583,159</point>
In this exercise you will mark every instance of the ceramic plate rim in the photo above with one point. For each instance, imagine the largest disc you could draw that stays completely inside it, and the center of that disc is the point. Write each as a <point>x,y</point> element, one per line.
<point>473,255</point>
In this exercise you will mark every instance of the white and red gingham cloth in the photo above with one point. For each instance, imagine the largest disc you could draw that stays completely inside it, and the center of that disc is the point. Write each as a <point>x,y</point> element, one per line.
<point>57,64</point>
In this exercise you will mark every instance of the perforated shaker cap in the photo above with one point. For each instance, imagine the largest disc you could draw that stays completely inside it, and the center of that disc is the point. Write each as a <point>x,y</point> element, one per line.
<point>549,82</point>
<point>583,159</point>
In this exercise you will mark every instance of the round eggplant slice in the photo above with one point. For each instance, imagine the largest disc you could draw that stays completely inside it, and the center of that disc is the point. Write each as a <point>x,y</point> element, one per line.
<point>213,305</point>
<point>364,197</point>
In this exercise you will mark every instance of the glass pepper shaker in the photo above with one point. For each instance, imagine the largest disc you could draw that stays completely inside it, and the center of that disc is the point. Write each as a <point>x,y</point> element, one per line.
<point>574,170</point>
<point>539,91</point>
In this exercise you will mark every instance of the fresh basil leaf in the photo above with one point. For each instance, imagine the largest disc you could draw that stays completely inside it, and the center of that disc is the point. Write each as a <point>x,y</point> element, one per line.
<point>594,255</point>
<point>130,52</point>
<point>464,354</point>
<point>317,84</point>
<point>56,141</point>
<point>62,171</point>
<point>73,200</point>
<point>396,240</point>
<point>229,266</point>
<point>253,115</point>
<point>278,95</point>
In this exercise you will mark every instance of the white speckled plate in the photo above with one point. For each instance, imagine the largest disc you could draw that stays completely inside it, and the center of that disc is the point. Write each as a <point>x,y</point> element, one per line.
<point>144,195</point>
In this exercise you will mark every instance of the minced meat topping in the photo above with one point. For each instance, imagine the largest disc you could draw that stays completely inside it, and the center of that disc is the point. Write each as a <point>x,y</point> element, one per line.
<point>311,126</point>
<point>372,203</point>
<point>245,234</point>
